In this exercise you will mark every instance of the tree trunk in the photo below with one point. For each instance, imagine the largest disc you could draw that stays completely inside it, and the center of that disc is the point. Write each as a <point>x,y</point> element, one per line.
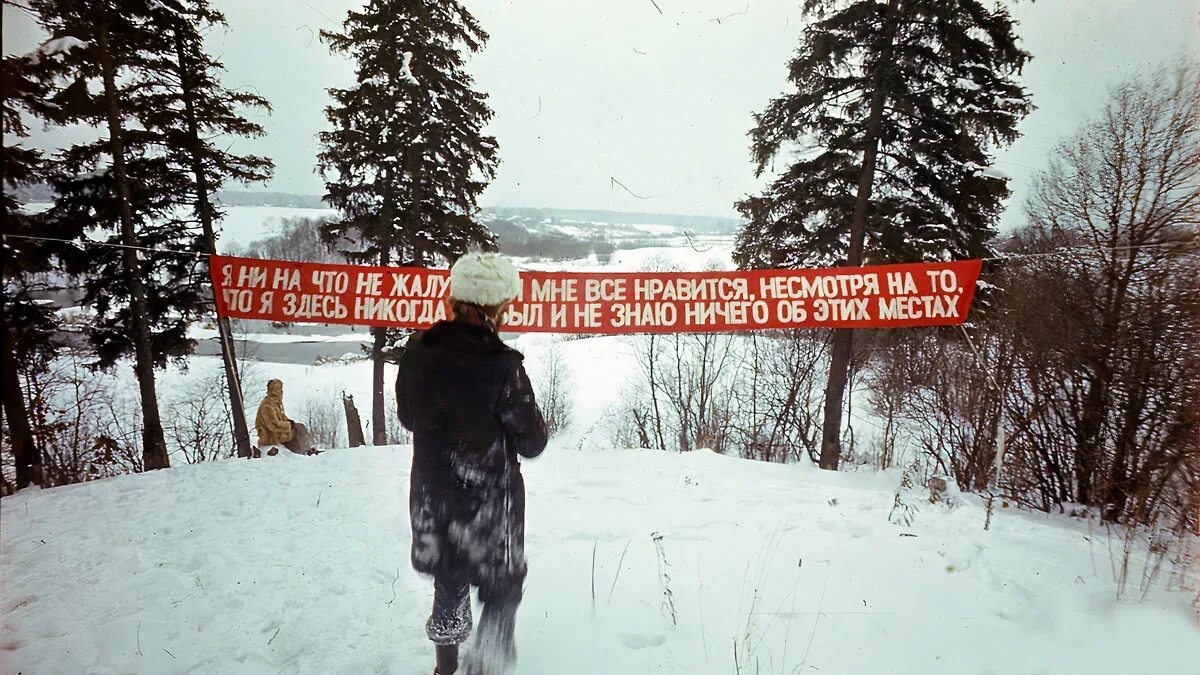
<point>835,390</point>
<point>26,457</point>
<point>1089,440</point>
<point>204,210</point>
<point>662,445</point>
<point>154,446</point>
<point>354,432</point>
<point>843,338</point>
<point>378,345</point>
<point>378,412</point>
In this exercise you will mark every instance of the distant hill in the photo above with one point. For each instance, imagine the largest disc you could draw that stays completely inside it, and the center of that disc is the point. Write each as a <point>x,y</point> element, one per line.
<point>41,193</point>
<point>242,198</point>
<point>696,224</point>
<point>558,234</point>
<point>701,224</point>
<point>707,224</point>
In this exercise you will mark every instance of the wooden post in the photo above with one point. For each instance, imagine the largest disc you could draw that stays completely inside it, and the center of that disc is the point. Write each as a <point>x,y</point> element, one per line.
<point>354,432</point>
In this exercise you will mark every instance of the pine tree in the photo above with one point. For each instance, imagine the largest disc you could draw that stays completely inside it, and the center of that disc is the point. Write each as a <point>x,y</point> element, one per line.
<point>407,158</point>
<point>30,327</point>
<point>147,288</point>
<point>192,108</point>
<point>897,109</point>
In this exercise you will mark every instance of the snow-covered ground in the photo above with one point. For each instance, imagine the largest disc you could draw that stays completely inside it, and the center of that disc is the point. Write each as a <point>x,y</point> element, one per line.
<point>300,565</point>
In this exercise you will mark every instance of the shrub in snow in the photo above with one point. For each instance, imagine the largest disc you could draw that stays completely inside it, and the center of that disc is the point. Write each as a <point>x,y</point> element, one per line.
<point>554,389</point>
<point>904,506</point>
<point>754,396</point>
<point>322,414</point>
<point>201,424</point>
<point>85,427</point>
<point>664,577</point>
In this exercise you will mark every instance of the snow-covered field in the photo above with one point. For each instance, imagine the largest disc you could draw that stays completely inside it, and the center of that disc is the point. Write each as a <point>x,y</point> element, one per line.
<point>299,565</point>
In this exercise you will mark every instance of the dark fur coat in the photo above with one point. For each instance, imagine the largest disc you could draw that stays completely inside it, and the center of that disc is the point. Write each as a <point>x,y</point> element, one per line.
<point>466,398</point>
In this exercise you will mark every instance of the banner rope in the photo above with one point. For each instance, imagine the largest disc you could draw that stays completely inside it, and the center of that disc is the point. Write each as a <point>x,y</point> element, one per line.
<point>77,242</point>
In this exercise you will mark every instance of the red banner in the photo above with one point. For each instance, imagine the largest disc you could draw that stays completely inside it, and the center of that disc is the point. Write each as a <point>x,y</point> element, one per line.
<point>933,294</point>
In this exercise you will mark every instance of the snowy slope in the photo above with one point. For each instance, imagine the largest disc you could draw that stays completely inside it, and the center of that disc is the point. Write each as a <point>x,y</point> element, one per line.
<point>299,565</point>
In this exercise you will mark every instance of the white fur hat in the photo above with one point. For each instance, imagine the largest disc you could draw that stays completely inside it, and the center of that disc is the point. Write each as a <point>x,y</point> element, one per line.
<point>484,279</point>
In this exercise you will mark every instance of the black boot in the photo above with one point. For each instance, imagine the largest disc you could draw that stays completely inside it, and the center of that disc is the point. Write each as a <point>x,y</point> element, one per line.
<point>447,659</point>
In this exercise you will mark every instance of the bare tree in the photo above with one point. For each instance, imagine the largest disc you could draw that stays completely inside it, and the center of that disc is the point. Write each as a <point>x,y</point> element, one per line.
<point>554,391</point>
<point>202,424</point>
<point>949,393</point>
<point>755,396</point>
<point>299,239</point>
<point>1124,196</point>
<point>778,396</point>
<point>887,394</point>
<point>647,350</point>
<point>322,417</point>
<point>81,424</point>
<point>650,418</point>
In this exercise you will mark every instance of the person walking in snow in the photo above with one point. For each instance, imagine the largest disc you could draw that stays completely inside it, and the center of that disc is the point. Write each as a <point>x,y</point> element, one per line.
<point>468,402</point>
<point>274,427</point>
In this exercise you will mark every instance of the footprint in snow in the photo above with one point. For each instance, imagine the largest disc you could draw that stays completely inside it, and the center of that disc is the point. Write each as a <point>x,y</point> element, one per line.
<point>636,641</point>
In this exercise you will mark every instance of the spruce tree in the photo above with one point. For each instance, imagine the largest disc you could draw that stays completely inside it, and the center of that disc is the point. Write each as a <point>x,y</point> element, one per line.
<point>406,158</point>
<point>192,110</point>
<point>897,109</point>
<point>30,327</point>
<point>125,188</point>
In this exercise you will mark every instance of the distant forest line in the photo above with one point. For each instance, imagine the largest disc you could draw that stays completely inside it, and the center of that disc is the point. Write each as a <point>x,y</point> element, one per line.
<point>704,224</point>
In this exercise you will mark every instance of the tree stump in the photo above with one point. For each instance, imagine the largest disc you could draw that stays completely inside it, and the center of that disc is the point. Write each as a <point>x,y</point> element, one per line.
<point>937,489</point>
<point>354,430</point>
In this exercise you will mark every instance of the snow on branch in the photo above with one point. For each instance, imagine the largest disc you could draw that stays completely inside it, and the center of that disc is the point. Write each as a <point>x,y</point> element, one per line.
<point>405,70</point>
<point>989,171</point>
<point>56,46</point>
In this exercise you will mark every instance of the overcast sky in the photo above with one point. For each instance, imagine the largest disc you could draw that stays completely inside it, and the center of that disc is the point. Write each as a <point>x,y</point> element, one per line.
<point>587,91</point>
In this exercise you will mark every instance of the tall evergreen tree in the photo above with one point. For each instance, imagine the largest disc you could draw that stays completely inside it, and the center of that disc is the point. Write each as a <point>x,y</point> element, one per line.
<point>407,157</point>
<point>192,109</point>
<point>897,108</point>
<point>30,326</point>
<point>147,288</point>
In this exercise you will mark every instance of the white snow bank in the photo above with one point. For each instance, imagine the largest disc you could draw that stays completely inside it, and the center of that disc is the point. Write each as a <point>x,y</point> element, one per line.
<point>300,565</point>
